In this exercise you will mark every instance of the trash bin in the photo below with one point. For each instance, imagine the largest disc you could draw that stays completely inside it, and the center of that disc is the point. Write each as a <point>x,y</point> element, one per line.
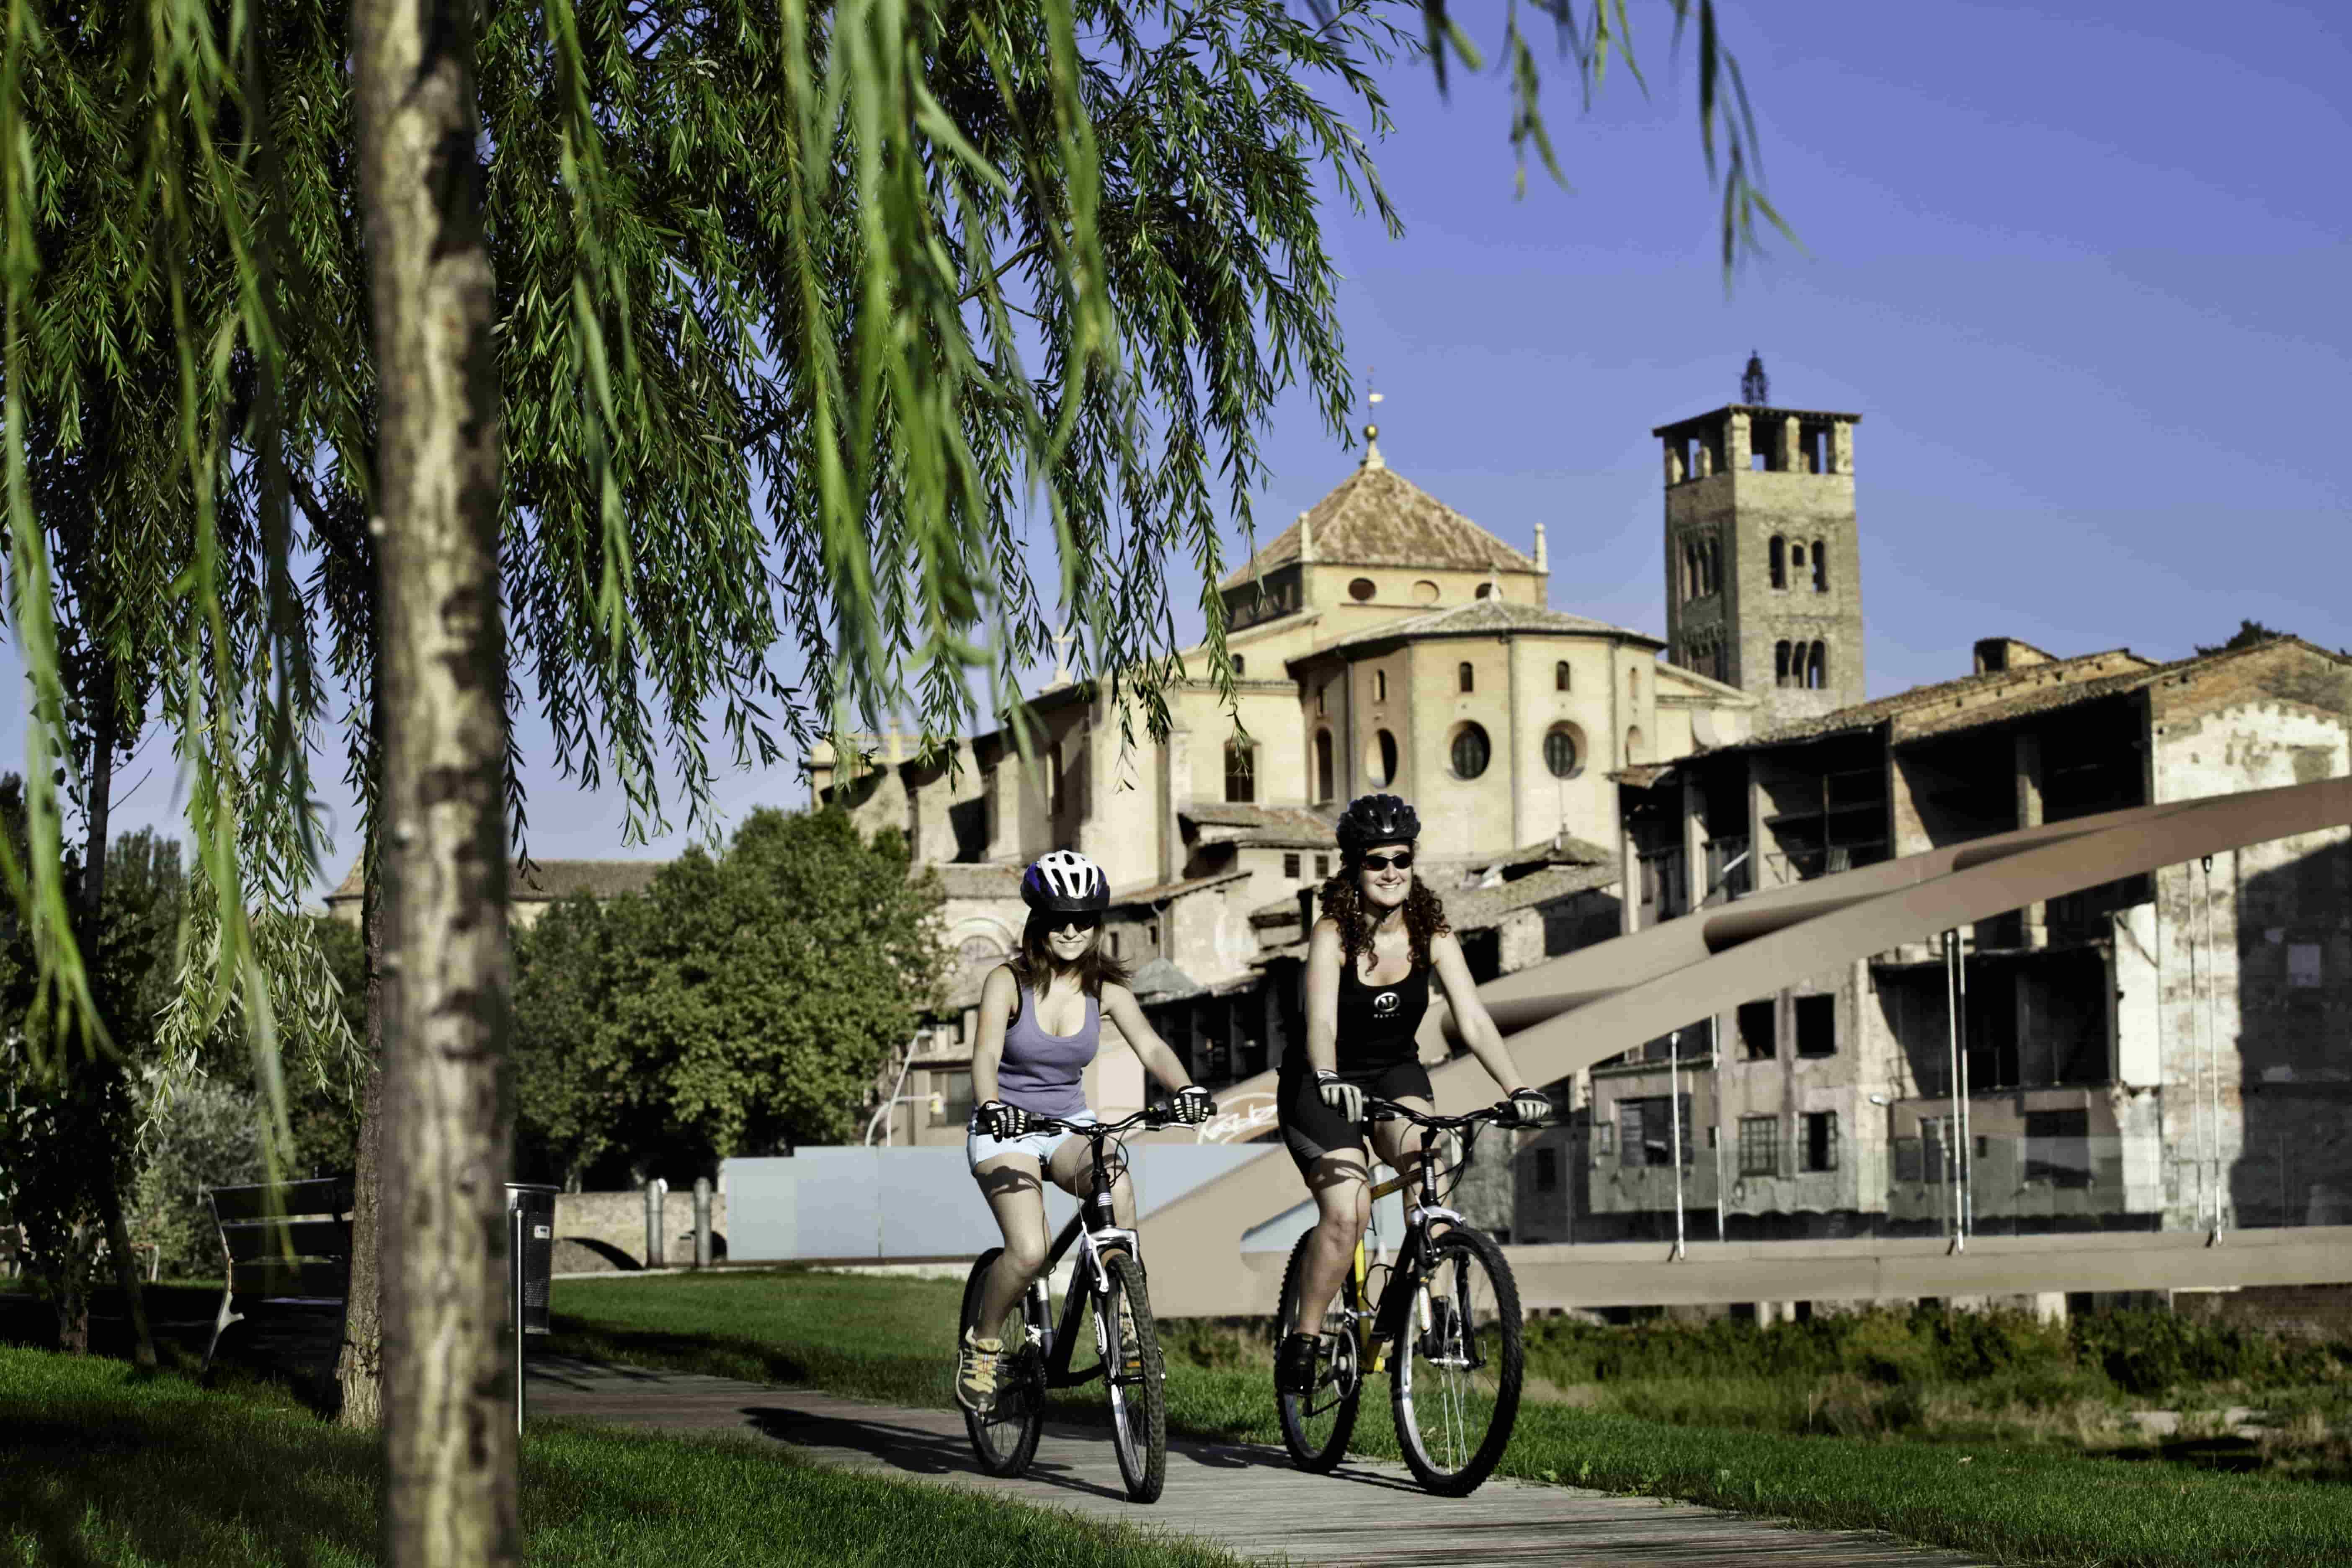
<point>530,1220</point>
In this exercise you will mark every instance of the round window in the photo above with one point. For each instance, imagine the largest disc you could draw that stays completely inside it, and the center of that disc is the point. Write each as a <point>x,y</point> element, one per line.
<point>1561,754</point>
<point>1471,751</point>
<point>1485,590</point>
<point>1424,592</point>
<point>1362,588</point>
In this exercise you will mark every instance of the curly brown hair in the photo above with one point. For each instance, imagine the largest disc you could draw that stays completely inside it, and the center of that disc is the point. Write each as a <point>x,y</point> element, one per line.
<point>1343,901</point>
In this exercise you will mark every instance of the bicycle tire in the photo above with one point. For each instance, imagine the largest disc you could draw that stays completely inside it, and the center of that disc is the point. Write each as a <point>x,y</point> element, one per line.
<point>1136,1386</point>
<point>1453,1369</point>
<point>1006,1441</point>
<point>1315,1426</point>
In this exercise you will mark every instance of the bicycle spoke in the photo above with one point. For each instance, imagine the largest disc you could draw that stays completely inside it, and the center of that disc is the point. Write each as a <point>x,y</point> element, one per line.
<point>1457,1389</point>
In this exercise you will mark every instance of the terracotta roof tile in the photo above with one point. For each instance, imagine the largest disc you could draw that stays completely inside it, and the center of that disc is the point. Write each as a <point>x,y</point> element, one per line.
<point>2058,673</point>
<point>1377,517</point>
<point>1485,617</point>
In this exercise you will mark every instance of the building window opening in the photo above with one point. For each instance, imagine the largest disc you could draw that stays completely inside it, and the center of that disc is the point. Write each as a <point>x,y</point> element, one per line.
<point>1319,693</point>
<point>1379,686</point>
<point>1713,559</point>
<point>1781,663</point>
<point>1115,946</point>
<point>1322,866</point>
<point>1380,761</point>
<point>1560,753</point>
<point>1817,666</point>
<point>1797,555</point>
<point>1758,1038</point>
<point>1817,450</point>
<point>1644,1136</point>
<point>1361,589</point>
<point>1152,935</point>
<point>1290,866</point>
<point>1776,558</point>
<point>1241,773</point>
<point>1817,1141</point>
<point>1241,664</point>
<point>1546,1169</point>
<point>2058,1147</point>
<point>1820,569</point>
<point>1471,751</point>
<point>1322,764</point>
<point>1633,684</point>
<point>1560,676</point>
<point>1635,746</point>
<point>1760,1145</point>
<point>1816,1025</point>
<point>1485,591</point>
<point>1466,677</point>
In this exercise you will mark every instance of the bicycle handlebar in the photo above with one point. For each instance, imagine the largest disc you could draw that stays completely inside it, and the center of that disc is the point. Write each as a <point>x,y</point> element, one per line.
<point>1152,1117</point>
<point>1378,1109</point>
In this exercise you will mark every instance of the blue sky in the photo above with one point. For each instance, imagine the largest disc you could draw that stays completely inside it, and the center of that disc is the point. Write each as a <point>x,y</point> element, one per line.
<point>2083,277</point>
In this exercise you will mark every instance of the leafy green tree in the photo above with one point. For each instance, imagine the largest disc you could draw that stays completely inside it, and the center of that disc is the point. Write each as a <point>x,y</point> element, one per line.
<point>2248,635</point>
<point>742,1003</point>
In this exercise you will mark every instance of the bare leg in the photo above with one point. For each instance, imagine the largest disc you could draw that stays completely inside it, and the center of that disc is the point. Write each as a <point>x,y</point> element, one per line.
<point>1343,1197</point>
<point>1016,1196</point>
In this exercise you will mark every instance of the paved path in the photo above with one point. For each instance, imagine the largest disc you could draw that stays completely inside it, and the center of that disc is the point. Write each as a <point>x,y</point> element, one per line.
<point>1248,1497</point>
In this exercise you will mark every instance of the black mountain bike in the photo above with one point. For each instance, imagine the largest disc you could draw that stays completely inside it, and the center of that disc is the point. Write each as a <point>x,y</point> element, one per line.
<point>1445,1322</point>
<point>1110,1278</point>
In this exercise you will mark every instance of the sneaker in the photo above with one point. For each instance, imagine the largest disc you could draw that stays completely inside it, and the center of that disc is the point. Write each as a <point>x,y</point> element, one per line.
<point>976,1365</point>
<point>1294,1363</point>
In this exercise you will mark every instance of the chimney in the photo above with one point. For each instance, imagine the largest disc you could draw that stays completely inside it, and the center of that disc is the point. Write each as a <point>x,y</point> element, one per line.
<point>1305,538</point>
<point>1543,562</point>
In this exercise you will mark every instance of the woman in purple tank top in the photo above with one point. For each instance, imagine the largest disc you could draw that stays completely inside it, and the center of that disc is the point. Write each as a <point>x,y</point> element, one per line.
<point>1040,1017</point>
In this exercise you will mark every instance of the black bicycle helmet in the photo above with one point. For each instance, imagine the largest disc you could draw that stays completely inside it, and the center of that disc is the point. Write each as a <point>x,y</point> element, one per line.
<point>1377,819</point>
<point>1064,882</point>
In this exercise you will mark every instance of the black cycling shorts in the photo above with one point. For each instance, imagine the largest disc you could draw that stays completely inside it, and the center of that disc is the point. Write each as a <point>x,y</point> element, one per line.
<point>1311,1129</point>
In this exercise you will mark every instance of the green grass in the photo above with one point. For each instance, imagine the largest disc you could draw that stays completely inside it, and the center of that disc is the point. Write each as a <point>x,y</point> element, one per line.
<point>101,1466</point>
<point>889,1339</point>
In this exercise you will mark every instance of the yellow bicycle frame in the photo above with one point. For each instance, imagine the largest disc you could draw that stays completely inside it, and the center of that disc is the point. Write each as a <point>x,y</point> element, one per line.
<point>1375,1355</point>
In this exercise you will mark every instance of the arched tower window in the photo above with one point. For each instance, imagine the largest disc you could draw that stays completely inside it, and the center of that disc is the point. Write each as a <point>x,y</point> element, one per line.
<point>1560,676</point>
<point>1781,663</point>
<point>1379,686</point>
<point>1817,666</point>
<point>1467,677</point>
<point>1711,560</point>
<point>1820,569</point>
<point>1778,557</point>
<point>1322,764</point>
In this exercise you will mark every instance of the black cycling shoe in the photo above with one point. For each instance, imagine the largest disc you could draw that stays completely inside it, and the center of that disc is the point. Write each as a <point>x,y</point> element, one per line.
<point>1294,1363</point>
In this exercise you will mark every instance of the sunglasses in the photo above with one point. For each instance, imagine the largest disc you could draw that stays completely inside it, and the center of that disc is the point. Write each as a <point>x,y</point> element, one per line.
<point>1401,860</point>
<point>1067,922</point>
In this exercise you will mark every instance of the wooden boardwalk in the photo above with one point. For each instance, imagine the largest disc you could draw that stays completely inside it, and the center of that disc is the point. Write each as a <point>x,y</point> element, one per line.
<point>1249,1498</point>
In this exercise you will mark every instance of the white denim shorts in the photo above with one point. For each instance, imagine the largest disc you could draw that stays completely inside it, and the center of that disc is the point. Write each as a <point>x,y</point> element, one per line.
<point>979,1147</point>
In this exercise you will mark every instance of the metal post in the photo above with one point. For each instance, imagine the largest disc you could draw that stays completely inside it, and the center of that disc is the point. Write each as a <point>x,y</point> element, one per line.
<point>1722,1127</point>
<point>516,1224</point>
<point>2212,1047</point>
<point>656,1191</point>
<point>1675,1119</point>
<point>1952,1086</point>
<point>703,1222</point>
<point>1967,1113</point>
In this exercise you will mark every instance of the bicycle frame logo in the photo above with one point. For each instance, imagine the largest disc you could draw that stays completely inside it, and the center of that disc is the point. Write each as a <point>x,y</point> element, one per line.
<point>1239,1118</point>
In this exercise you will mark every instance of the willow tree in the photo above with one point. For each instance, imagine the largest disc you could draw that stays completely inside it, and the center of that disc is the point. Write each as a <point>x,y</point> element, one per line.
<point>758,337</point>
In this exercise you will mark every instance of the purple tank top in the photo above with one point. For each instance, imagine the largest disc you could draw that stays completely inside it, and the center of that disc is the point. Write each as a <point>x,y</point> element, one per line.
<point>1039,1072</point>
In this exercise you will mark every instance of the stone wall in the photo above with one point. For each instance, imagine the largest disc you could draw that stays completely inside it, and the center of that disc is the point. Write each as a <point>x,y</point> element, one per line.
<point>612,1226</point>
<point>2309,1311</point>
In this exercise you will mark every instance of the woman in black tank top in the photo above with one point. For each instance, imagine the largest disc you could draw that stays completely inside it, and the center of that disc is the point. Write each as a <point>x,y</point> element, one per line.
<point>1369,962</point>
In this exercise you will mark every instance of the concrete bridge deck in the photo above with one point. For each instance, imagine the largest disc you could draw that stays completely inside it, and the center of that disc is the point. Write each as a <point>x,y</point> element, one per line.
<point>1246,1498</point>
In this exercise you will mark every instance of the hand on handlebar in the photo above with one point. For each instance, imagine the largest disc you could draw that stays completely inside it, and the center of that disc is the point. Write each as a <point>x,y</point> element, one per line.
<point>1347,1099</point>
<point>1525,1105</point>
<point>1193,1105</point>
<point>994,1119</point>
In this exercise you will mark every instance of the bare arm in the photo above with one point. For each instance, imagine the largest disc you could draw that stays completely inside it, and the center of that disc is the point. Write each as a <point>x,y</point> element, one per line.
<point>1323,961</point>
<point>1470,1014</point>
<point>1148,1047</point>
<point>998,995</point>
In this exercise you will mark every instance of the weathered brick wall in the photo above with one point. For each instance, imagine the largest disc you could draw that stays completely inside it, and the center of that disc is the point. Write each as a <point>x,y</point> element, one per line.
<point>615,1222</point>
<point>2309,1311</point>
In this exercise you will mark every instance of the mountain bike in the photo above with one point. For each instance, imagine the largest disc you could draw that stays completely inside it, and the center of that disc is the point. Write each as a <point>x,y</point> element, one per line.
<point>1109,1277</point>
<point>1445,1322</point>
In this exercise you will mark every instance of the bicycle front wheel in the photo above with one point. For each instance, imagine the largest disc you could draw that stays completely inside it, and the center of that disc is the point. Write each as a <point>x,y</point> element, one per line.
<point>1005,1439</point>
<point>1455,1384</point>
<point>1135,1376</point>
<point>1317,1425</point>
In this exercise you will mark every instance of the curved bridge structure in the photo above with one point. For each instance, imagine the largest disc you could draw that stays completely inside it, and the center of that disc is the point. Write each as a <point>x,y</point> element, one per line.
<point>1579,1009</point>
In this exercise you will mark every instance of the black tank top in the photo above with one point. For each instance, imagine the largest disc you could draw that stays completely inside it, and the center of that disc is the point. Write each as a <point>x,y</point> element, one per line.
<point>1377,1023</point>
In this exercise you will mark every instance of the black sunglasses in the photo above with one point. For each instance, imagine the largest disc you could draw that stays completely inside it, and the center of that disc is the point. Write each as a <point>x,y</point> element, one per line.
<point>1401,860</point>
<point>1084,920</point>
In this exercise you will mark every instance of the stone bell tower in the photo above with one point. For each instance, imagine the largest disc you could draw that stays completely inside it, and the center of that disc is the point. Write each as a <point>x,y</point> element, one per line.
<point>1763,561</point>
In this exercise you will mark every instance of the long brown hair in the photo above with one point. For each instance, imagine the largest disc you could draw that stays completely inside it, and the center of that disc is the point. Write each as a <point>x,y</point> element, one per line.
<point>1035,967</point>
<point>1343,901</point>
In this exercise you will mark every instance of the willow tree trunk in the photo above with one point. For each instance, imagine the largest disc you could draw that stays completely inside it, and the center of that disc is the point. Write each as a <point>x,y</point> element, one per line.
<point>450,1434</point>
<point>358,1370</point>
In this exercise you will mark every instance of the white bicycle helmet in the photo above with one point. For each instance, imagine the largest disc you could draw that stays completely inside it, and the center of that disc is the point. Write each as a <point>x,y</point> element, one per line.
<point>1064,882</point>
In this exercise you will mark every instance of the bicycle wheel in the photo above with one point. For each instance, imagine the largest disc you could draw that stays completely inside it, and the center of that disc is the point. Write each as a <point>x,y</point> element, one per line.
<point>1136,1379</point>
<point>1005,1439</point>
<point>1317,1425</point>
<point>1455,1384</point>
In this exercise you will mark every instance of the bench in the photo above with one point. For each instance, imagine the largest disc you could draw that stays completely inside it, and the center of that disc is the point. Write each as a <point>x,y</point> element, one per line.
<point>289,1247</point>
